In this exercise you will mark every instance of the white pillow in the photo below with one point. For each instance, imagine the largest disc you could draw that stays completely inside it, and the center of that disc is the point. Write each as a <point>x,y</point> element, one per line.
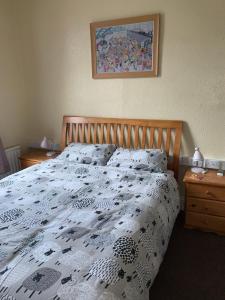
<point>153,160</point>
<point>94,154</point>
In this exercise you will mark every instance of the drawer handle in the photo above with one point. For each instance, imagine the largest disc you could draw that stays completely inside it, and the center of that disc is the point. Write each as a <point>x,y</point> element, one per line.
<point>193,205</point>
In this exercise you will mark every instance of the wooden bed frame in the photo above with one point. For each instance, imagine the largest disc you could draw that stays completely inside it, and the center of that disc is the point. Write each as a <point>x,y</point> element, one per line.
<point>127,133</point>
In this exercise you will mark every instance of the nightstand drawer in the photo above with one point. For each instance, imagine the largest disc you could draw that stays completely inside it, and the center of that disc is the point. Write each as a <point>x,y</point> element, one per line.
<point>206,222</point>
<point>210,207</point>
<point>206,191</point>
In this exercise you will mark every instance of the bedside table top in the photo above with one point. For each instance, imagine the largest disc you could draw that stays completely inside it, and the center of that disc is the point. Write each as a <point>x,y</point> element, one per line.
<point>210,178</point>
<point>37,155</point>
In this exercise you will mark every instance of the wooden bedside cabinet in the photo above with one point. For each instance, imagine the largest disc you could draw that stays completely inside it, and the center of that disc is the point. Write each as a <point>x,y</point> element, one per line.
<point>34,157</point>
<point>205,201</point>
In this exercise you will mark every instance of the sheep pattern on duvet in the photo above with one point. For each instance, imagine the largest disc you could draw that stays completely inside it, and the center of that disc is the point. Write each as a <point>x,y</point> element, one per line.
<point>75,231</point>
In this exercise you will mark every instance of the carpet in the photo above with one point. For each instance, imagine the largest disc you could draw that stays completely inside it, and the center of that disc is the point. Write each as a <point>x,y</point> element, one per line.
<point>193,267</point>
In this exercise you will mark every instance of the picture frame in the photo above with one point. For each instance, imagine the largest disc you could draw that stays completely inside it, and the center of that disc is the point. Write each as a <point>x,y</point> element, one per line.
<point>125,48</point>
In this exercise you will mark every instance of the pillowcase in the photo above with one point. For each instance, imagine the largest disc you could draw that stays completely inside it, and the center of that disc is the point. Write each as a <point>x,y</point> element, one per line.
<point>93,154</point>
<point>153,160</point>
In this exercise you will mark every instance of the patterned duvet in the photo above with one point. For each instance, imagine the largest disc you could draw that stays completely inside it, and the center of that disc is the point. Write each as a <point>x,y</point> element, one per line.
<point>75,231</point>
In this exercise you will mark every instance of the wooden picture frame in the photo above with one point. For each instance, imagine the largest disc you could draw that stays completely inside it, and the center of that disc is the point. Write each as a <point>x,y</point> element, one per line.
<point>125,48</point>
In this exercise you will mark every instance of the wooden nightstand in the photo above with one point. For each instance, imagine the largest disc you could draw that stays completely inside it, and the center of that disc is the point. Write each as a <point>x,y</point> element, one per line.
<point>205,201</point>
<point>34,157</point>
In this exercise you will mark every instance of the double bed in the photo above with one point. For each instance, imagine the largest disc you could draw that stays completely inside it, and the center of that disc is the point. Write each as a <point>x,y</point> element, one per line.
<point>73,230</point>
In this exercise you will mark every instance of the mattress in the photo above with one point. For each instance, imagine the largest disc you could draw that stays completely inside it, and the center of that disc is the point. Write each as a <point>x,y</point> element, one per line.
<point>75,231</point>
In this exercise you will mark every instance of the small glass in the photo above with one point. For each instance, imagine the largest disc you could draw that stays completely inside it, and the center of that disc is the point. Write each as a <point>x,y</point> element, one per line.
<point>220,171</point>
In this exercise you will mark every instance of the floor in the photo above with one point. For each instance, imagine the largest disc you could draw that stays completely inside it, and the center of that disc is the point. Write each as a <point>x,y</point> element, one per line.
<point>193,267</point>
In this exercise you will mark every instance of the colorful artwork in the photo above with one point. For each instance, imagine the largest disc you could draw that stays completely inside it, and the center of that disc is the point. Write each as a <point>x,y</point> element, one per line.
<point>124,49</point>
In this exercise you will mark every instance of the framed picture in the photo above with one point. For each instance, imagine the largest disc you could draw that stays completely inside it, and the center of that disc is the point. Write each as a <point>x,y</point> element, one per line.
<point>125,48</point>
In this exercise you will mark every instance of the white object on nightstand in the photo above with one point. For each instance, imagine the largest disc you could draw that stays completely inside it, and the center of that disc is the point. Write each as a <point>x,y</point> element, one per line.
<point>219,173</point>
<point>45,144</point>
<point>198,159</point>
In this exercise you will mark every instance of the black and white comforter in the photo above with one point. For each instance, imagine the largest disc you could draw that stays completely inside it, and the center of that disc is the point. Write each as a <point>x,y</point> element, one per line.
<point>73,231</point>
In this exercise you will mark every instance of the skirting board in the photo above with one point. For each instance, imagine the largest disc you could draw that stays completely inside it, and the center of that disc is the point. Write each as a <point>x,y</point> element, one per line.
<point>208,163</point>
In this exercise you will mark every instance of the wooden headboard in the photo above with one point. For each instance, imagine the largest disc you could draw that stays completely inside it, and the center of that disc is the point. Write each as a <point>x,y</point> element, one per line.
<point>127,133</point>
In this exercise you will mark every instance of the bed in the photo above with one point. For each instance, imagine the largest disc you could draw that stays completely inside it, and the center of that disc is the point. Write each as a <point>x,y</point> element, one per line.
<point>81,231</point>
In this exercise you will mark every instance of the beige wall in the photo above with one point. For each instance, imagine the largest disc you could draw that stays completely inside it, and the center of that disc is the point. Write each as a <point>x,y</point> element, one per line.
<point>13,90</point>
<point>190,87</point>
